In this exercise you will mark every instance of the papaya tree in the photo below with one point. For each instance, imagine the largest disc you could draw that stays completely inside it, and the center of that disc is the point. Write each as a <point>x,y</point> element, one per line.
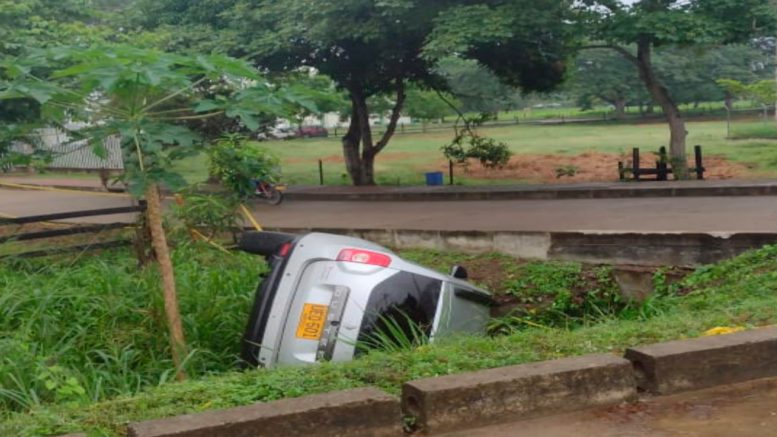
<point>144,97</point>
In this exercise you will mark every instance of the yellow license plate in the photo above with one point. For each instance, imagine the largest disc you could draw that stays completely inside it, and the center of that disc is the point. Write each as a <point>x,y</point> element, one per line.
<point>311,324</point>
<point>281,187</point>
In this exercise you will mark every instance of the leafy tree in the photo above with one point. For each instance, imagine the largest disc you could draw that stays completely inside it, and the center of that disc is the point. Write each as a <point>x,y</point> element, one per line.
<point>376,48</point>
<point>29,24</point>
<point>763,91</point>
<point>142,96</point>
<point>476,88</point>
<point>636,30</point>
<point>691,73</point>
<point>319,89</point>
<point>606,76</point>
<point>426,105</point>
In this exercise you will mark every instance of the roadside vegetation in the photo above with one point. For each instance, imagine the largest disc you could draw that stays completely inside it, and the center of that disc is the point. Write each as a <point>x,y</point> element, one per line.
<point>81,350</point>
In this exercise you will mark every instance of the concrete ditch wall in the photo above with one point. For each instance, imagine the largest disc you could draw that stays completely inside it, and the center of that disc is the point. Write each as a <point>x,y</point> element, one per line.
<point>451,402</point>
<point>496,395</point>
<point>365,411</point>
<point>685,365</point>
<point>642,249</point>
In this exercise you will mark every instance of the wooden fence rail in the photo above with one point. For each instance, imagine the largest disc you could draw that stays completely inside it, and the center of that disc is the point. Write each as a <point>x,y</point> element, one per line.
<point>76,229</point>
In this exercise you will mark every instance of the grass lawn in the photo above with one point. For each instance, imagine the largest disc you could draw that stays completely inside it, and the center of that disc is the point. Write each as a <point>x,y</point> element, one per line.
<point>83,350</point>
<point>755,130</point>
<point>409,156</point>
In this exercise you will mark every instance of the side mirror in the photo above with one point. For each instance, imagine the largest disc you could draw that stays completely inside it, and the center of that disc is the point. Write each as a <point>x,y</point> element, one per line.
<point>459,272</point>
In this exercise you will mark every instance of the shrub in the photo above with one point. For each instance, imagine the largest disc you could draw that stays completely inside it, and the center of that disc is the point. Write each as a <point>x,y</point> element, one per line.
<point>489,152</point>
<point>235,163</point>
<point>211,213</point>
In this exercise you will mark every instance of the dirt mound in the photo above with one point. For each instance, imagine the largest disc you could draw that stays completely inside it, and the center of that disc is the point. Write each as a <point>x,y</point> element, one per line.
<point>589,166</point>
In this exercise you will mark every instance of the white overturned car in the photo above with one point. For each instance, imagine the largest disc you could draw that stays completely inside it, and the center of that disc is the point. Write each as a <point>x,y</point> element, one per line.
<point>326,294</point>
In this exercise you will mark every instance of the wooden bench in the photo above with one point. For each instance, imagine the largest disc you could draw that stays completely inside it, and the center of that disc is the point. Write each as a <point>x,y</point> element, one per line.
<point>661,171</point>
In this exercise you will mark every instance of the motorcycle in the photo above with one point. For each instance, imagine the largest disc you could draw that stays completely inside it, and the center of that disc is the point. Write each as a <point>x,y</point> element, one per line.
<point>269,192</point>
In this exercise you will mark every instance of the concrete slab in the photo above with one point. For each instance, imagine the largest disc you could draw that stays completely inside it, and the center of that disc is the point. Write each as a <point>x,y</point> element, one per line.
<point>491,396</point>
<point>746,409</point>
<point>685,365</point>
<point>355,412</point>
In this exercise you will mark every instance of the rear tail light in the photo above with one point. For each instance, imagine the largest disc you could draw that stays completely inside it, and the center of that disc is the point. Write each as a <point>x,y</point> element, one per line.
<point>284,250</point>
<point>364,257</point>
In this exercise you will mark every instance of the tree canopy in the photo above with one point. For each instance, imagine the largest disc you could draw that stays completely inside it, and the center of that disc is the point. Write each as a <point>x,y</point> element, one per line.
<point>380,48</point>
<point>636,30</point>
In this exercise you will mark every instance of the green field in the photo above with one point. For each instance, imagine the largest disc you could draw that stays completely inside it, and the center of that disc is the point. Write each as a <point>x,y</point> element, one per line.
<point>409,156</point>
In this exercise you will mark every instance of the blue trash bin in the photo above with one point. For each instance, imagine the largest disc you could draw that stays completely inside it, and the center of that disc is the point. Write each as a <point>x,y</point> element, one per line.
<point>434,178</point>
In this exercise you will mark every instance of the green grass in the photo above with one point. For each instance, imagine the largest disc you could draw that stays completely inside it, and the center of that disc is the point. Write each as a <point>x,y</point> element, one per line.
<point>409,156</point>
<point>93,328</point>
<point>761,130</point>
<point>739,292</point>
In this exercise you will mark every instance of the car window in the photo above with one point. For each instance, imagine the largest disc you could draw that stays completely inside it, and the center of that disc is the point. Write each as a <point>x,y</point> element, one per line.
<point>400,306</point>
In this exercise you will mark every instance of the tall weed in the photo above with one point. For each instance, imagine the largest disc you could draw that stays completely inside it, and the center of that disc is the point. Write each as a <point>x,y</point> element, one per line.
<point>94,329</point>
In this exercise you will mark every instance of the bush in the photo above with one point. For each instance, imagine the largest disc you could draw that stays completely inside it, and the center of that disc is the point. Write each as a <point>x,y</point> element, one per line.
<point>489,152</point>
<point>235,163</point>
<point>212,214</point>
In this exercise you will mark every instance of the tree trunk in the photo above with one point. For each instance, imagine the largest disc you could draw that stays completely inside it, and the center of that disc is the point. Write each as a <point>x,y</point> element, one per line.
<point>159,242</point>
<point>359,150</point>
<point>729,102</point>
<point>351,142</point>
<point>620,109</point>
<point>672,113</point>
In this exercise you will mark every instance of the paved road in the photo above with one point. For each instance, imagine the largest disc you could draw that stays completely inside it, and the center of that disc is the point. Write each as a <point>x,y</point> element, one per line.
<point>699,214</point>
<point>28,202</point>
<point>693,214</point>
<point>742,410</point>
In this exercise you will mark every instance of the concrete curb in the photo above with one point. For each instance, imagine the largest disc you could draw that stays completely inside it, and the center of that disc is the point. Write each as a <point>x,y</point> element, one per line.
<point>357,412</point>
<point>508,394</point>
<point>449,403</point>
<point>423,194</point>
<point>528,192</point>
<point>686,365</point>
<point>642,249</point>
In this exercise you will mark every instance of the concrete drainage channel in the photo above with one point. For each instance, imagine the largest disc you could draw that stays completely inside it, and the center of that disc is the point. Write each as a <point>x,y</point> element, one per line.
<point>469,400</point>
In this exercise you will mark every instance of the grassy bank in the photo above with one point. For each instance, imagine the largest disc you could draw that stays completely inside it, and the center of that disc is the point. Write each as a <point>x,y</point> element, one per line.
<point>93,328</point>
<point>740,292</point>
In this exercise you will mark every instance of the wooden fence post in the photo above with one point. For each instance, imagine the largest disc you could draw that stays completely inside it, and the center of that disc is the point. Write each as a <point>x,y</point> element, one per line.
<point>635,162</point>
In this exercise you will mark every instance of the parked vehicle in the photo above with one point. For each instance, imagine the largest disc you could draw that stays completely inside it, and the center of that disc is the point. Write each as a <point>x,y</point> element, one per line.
<point>326,295</point>
<point>270,192</point>
<point>277,133</point>
<point>312,131</point>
